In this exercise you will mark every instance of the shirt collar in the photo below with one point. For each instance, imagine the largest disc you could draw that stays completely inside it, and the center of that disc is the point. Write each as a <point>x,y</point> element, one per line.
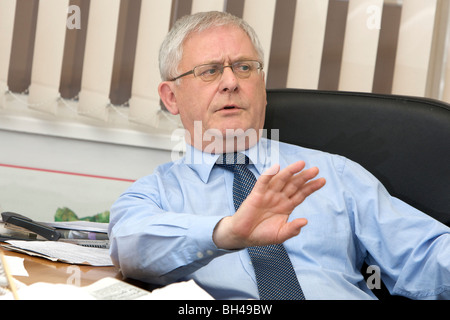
<point>261,156</point>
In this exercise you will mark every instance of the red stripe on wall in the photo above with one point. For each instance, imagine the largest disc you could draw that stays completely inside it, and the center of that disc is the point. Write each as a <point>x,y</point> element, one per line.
<point>65,172</point>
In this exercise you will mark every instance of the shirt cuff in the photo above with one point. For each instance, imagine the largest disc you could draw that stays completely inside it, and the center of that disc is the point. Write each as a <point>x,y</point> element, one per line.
<point>202,235</point>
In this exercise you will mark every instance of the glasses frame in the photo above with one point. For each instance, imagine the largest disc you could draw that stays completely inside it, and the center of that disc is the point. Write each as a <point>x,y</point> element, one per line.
<point>221,69</point>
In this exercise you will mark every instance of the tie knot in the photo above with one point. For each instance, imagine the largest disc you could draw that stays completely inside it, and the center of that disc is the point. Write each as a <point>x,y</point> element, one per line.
<point>232,159</point>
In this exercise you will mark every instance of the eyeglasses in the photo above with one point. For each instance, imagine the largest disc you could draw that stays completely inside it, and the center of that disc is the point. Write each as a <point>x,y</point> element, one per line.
<point>210,72</point>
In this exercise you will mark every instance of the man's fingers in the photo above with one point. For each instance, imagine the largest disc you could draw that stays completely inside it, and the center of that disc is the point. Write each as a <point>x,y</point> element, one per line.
<point>276,179</point>
<point>293,181</point>
<point>297,181</point>
<point>307,189</point>
<point>273,170</point>
<point>291,229</point>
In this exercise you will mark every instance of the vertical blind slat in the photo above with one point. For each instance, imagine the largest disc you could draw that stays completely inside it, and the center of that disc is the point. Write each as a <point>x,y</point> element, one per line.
<point>414,47</point>
<point>260,15</point>
<point>360,45</point>
<point>307,44</point>
<point>48,55</point>
<point>208,5</point>
<point>99,58</point>
<point>7,13</point>
<point>144,102</point>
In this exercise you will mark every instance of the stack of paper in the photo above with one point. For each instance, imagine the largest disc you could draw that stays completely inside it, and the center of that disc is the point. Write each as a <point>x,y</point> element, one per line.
<point>62,251</point>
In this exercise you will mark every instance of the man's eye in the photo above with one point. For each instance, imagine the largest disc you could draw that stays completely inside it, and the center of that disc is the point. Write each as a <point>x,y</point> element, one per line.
<point>243,67</point>
<point>209,72</point>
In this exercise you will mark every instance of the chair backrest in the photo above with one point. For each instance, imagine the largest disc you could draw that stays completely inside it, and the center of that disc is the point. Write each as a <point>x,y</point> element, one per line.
<point>403,141</point>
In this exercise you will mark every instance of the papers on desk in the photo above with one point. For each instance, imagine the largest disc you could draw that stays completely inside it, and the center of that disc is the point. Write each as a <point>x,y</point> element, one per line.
<point>109,289</point>
<point>16,266</point>
<point>104,289</point>
<point>80,226</point>
<point>114,289</point>
<point>62,251</point>
<point>81,242</point>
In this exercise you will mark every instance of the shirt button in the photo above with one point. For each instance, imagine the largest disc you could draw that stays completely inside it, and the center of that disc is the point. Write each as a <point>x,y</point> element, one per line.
<point>199,255</point>
<point>209,252</point>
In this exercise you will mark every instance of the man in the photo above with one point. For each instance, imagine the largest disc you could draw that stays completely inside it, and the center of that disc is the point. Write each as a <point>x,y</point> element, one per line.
<point>181,222</point>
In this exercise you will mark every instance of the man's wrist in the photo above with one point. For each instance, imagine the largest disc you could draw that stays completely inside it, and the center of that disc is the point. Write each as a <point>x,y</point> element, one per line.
<point>223,237</point>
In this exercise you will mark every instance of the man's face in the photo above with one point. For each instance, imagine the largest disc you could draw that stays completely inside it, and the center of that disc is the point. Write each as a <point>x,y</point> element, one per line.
<point>226,104</point>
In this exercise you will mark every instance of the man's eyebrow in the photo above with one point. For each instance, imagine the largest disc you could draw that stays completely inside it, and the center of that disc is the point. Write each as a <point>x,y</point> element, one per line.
<point>214,62</point>
<point>222,61</point>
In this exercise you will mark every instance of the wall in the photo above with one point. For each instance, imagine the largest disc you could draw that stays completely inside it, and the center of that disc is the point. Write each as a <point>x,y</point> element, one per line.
<point>39,173</point>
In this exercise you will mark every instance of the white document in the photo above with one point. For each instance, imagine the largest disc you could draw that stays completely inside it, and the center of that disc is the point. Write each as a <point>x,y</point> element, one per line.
<point>114,289</point>
<point>16,266</point>
<point>80,225</point>
<point>188,290</point>
<point>62,251</point>
<point>109,289</point>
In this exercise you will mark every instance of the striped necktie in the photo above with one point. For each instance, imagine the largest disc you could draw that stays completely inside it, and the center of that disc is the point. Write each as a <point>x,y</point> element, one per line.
<point>275,275</point>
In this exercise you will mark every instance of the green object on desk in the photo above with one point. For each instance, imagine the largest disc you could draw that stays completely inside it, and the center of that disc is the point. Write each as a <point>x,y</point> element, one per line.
<point>65,214</point>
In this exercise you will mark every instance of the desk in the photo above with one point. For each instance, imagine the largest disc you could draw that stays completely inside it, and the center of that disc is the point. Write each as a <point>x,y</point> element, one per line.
<point>44,270</point>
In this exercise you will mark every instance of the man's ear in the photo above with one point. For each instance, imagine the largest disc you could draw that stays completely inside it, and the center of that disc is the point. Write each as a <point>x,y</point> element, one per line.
<point>167,95</point>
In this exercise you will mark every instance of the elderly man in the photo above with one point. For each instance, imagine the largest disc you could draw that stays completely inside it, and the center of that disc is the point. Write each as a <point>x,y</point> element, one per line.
<point>247,217</point>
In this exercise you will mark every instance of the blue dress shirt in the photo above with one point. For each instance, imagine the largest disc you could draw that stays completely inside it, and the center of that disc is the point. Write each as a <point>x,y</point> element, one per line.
<point>161,230</point>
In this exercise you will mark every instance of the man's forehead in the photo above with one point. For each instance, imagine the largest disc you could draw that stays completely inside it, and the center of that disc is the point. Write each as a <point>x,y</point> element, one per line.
<point>209,45</point>
<point>215,31</point>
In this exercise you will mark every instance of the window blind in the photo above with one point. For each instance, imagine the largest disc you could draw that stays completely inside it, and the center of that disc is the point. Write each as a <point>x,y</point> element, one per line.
<point>349,45</point>
<point>414,47</point>
<point>7,13</point>
<point>48,55</point>
<point>153,26</point>
<point>208,5</point>
<point>309,32</point>
<point>98,58</point>
<point>260,15</point>
<point>360,45</point>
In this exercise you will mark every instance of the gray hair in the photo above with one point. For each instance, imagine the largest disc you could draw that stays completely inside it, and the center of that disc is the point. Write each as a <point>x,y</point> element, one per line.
<point>171,51</point>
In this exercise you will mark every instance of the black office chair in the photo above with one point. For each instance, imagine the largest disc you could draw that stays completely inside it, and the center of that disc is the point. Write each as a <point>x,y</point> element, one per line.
<point>403,141</point>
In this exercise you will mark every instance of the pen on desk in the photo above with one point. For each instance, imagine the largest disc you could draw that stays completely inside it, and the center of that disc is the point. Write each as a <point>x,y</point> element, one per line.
<point>9,278</point>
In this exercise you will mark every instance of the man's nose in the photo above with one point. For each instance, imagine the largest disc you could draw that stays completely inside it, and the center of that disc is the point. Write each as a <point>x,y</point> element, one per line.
<point>228,81</point>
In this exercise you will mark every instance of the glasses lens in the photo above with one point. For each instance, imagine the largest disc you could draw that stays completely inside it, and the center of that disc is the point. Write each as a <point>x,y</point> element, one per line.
<point>242,69</point>
<point>207,72</point>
